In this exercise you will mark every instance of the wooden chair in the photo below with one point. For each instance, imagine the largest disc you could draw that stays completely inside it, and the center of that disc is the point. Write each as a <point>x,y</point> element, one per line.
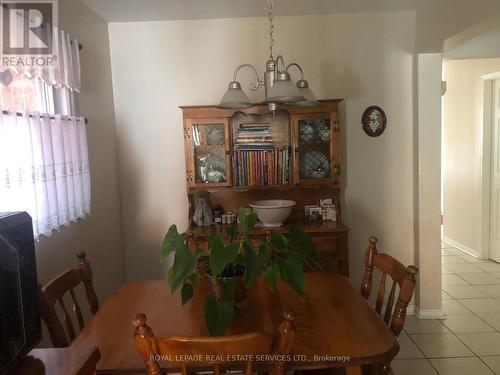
<point>214,351</point>
<point>401,276</point>
<point>55,290</point>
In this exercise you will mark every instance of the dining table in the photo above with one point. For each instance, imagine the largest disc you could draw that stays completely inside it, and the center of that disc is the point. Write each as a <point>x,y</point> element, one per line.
<point>335,326</point>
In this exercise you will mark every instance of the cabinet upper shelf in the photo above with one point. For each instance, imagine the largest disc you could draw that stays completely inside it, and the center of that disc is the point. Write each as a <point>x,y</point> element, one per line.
<point>256,149</point>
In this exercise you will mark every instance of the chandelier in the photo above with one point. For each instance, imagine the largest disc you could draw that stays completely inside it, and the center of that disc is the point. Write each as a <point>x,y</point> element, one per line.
<point>278,86</point>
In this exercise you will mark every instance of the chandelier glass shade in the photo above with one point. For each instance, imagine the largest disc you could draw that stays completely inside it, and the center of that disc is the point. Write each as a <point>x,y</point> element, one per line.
<point>278,85</point>
<point>235,97</point>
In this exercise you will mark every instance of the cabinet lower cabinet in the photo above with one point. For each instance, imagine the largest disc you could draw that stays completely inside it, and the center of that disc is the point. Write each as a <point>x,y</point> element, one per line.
<point>333,251</point>
<point>331,245</point>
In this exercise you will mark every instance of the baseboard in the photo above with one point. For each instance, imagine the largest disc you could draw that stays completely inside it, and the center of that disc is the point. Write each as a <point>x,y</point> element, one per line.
<point>460,246</point>
<point>429,313</point>
<point>410,310</point>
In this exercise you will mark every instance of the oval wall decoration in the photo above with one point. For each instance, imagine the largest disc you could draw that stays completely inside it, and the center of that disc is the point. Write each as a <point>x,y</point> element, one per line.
<point>374,121</point>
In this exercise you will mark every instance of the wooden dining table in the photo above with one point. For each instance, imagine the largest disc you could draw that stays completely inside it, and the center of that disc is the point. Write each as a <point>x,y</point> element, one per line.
<point>335,326</point>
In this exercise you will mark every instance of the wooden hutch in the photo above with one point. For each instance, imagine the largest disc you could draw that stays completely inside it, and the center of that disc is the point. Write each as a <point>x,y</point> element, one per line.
<point>310,136</point>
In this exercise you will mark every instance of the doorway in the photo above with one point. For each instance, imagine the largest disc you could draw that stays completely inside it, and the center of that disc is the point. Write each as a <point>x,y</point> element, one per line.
<point>471,156</point>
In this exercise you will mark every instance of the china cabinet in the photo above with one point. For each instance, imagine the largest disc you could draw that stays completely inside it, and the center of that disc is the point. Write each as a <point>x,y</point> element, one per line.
<point>240,156</point>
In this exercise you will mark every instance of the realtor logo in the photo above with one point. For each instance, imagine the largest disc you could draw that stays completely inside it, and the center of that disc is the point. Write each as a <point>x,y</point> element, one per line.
<point>27,27</point>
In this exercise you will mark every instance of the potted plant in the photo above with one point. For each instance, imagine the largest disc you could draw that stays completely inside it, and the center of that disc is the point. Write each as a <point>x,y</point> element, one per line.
<point>236,265</point>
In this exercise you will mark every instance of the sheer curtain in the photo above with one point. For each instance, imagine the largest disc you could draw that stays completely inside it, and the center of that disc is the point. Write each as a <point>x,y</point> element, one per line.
<point>44,168</point>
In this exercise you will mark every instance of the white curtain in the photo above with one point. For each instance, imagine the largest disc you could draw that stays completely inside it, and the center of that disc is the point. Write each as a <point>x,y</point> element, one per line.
<point>65,72</point>
<point>44,168</point>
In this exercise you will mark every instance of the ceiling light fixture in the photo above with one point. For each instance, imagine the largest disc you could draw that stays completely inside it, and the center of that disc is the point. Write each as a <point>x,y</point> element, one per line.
<point>278,85</point>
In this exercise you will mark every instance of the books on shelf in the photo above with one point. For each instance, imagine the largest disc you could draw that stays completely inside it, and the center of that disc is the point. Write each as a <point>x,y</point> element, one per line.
<point>261,167</point>
<point>254,137</point>
<point>256,160</point>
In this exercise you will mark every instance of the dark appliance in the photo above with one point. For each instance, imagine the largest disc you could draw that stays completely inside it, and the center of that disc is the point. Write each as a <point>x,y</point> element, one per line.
<point>20,328</point>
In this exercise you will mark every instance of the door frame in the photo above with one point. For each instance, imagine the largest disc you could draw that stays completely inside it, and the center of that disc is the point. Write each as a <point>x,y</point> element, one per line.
<point>486,141</point>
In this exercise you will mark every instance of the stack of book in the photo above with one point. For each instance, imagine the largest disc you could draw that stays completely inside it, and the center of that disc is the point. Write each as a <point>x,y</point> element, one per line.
<point>254,137</point>
<point>256,160</point>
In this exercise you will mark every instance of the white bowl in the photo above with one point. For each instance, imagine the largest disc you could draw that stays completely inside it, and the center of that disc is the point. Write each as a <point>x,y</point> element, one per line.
<point>273,212</point>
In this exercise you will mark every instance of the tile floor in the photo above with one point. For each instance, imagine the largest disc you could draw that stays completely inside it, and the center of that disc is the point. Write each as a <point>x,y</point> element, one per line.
<point>468,340</point>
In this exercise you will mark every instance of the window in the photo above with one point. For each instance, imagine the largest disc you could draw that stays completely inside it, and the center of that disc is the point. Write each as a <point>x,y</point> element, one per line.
<point>34,95</point>
<point>44,166</point>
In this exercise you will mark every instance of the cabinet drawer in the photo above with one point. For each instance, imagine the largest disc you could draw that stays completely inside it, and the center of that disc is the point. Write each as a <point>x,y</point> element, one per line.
<point>326,244</point>
<point>333,252</point>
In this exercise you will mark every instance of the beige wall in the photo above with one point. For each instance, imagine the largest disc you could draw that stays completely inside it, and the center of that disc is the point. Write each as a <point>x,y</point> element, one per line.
<point>363,58</point>
<point>462,149</point>
<point>99,234</point>
<point>427,153</point>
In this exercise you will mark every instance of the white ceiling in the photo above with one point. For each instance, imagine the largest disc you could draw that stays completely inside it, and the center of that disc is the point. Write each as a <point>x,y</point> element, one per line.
<point>157,10</point>
<point>485,45</point>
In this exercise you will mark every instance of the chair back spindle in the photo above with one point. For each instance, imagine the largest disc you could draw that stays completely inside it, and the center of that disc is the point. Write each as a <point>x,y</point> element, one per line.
<point>84,266</point>
<point>53,294</point>
<point>220,349</point>
<point>404,277</point>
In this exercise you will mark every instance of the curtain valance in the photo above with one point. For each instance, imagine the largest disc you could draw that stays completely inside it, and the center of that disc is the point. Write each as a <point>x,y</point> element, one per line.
<point>64,70</point>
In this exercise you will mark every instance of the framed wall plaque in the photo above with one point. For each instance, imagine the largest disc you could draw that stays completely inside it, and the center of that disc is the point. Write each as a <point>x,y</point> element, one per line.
<point>374,121</point>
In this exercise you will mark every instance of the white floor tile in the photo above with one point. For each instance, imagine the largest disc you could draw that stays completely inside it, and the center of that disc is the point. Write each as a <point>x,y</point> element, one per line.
<point>454,280</point>
<point>415,325</point>
<point>441,345</point>
<point>479,278</point>
<point>482,343</point>
<point>464,291</point>
<point>445,271</point>
<point>492,318</point>
<point>455,251</point>
<point>473,260</point>
<point>466,324</point>
<point>407,348</point>
<point>463,268</point>
<point>412,367</point>
<point>490,290</point>
<point>478,306</point>
<point>490,266</point>
<point>461,366</point>
<point>493,363</point>
<point>496,274</point>
<point>445,295</point>
<point>452,307</point>
<point>452,259</point>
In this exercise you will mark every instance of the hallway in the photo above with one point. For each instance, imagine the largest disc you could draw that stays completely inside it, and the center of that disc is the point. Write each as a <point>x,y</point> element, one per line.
<point>468,340</point>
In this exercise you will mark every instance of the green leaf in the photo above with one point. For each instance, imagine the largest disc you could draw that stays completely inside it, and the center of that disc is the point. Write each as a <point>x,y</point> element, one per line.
<point>170,274</point>
<point>194,279</point>
<point>228,290</point>
<point>279,241</point>
<point>221,256</point>
<point>172,241</point>
<point>232,231</point>
<point>292,272</point>
<point>254,261</point>
<point>247,219</point>
<point>303,243</point>
<point>271,274</point>
<point>184,265</point>
<point>218,315</point>
<point>187,292</point>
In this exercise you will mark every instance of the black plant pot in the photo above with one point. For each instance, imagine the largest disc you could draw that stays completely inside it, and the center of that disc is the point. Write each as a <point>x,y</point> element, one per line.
<point>237,277</point>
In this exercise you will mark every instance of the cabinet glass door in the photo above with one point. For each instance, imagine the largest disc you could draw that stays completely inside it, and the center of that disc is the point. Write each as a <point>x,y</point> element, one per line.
<point>210,157</point>
<point>314,151</point>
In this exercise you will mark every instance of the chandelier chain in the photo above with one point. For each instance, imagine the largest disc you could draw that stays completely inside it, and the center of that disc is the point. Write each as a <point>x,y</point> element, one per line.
<point>271,27</point>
